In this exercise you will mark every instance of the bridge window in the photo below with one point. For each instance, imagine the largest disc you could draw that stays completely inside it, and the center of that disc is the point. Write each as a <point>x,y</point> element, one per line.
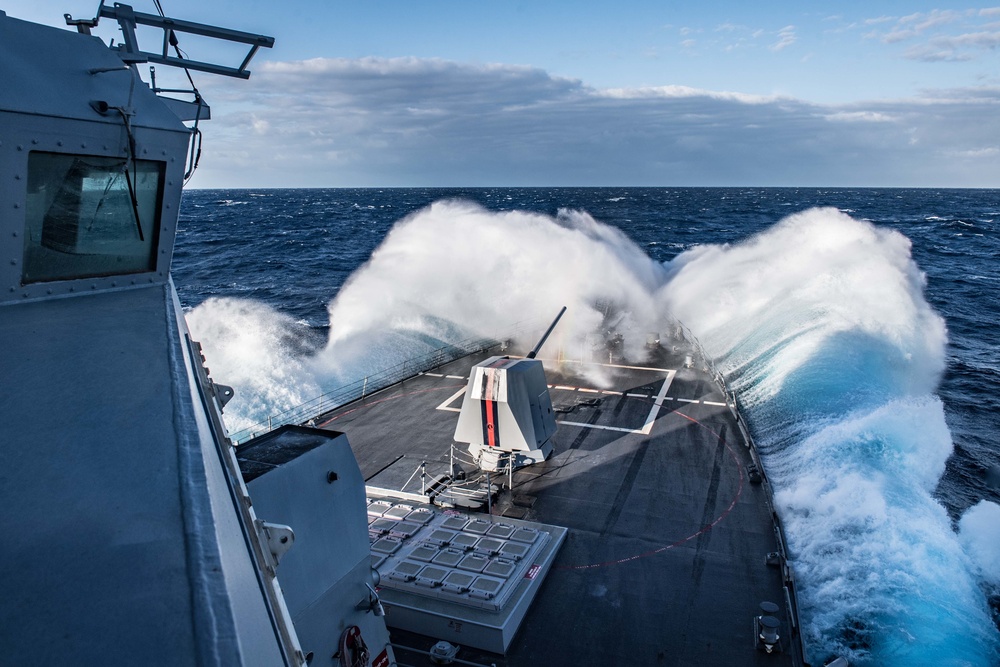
<point>90,216</point>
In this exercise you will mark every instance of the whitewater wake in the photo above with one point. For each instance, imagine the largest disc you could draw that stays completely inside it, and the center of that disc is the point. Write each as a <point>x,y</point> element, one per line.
<point>820,325</point>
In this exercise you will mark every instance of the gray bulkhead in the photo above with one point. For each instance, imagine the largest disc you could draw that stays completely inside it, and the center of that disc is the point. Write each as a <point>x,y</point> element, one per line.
<point>127,538</point>
<point>308,479</point>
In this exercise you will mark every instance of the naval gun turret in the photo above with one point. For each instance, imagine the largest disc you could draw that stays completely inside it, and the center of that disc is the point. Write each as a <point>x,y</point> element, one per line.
<point>507,415</point>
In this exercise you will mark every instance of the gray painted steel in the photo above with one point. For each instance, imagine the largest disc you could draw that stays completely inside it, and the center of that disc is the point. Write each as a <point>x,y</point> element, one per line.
<point>465,579</point>
<point>129,536</point>
<point>507,407</point>
<point>308,479</point>
<point>664,561</point>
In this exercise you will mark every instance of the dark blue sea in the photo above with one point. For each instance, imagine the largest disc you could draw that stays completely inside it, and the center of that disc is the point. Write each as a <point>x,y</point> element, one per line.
<point>859,327</point>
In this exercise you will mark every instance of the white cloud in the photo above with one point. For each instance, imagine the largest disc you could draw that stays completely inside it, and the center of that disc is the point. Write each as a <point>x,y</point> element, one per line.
<point>786,37</point>
<point>983,40</point>
<point>648,92</point>
<point>989,152</point>
<point>936,17</point>
<point>929,53</point>
<point>859,117</point>
<point>942,35</point>
<point>415,122</point>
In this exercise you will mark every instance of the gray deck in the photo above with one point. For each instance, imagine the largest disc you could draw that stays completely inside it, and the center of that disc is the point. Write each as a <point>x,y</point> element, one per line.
<point>664,562</point>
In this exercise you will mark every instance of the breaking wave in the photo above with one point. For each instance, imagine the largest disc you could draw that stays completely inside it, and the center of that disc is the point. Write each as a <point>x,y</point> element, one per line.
<point>820,325</point>
<point>449,272</point>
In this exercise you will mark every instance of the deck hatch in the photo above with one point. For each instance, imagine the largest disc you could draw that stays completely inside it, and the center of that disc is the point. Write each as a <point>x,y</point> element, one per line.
<point>386,545</point>
<point>378,507</point>
<point>454,523</point>
<point>474,563</point>
<point>397,512</point>
<point>464,541</point>
<point>449,557</point>
<point>477,526</point>
<point>424,552</point>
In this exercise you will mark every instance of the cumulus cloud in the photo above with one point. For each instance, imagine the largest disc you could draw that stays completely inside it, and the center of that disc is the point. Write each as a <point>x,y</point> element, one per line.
<point>421,122</point>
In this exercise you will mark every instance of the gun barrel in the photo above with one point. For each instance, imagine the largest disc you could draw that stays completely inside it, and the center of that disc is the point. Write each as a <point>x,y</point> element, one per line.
<point>531,355</point>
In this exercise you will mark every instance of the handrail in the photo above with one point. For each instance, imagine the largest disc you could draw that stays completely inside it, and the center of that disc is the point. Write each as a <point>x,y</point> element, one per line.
<point>734,404</point>
<point>365,386</point>
<point>379,380</point>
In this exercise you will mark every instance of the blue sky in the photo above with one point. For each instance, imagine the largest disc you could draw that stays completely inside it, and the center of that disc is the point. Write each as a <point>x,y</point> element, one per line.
<point>409,93</point>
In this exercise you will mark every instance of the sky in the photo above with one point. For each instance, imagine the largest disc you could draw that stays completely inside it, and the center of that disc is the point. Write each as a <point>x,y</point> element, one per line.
<point>386,93</point>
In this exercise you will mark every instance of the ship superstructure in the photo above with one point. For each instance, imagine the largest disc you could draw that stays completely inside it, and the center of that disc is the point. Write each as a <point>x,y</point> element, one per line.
<point>130,534</point>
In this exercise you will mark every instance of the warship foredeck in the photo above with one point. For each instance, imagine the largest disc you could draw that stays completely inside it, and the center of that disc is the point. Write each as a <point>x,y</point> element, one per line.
<point>666,557</point>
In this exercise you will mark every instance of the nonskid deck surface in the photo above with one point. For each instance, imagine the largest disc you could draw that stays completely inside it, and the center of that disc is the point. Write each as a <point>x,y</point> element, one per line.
<point>664,561</point>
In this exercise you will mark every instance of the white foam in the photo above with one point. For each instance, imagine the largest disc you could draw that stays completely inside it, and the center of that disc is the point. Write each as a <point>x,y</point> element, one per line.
<point>479,271</point>
<point>819,322</point>
<point>811,276</point>
<point>249,345</point>
<point>821,325</point>
<point>979,530</point>
<point>448,272</point>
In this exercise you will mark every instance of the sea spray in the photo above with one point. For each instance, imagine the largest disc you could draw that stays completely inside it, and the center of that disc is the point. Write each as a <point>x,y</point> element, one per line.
<point>449,272</point>
<point>480,271</point>
<point>259,352</point>
<point>821,327</point>
<point>979,530</point>
<point>820,323</point>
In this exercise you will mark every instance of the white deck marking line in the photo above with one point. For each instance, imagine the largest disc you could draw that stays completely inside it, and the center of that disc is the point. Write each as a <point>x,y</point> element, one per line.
<point>653,412</point>
<point>594,363</point>
<point>713,403</point>
<point>589,391</point>
<point>648,426</point>
<point>434,375</point>
<point>456,377</point>
<point>689,400</point>
<point>612,393</point>
<point>638,395</point>
<point>559,386</point>
<point>451,399</point>
<point>603,428</point>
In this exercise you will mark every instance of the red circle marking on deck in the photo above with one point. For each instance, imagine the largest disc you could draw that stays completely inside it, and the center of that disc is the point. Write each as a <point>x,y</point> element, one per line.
<point>619,561</point>
<point>704,529</point>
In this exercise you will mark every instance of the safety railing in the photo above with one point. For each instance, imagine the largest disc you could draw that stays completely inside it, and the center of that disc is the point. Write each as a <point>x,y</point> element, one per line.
<point>787,576</point>
<point>383,378</point>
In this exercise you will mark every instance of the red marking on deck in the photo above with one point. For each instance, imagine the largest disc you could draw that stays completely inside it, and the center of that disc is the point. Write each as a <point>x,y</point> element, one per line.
<point>704,529</point>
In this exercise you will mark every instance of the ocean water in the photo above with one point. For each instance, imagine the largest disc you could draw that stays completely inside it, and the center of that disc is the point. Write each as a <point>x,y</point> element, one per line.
<point>857,325</point>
